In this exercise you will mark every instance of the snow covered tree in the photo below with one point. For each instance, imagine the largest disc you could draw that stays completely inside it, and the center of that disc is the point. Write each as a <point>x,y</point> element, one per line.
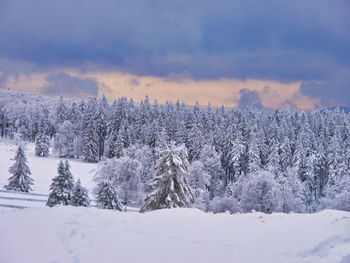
<point>90,143</point>
<point>212,165</point>
<point>341,201</point>
<point>261,193</point>
<point>162,140</point>
<point>195,143</point>
<point>169,186</point>
<point>62,186</point>
<point>64,140</point>
<point>20,179</point>
<point>124,174</point>
<point>118,145</point>
<point>61,112</point>
<point>338,193</point>
<point>42,142</point>
<point>101,126</point>
<point>80,195</point>
<point>199,181</point>
<point>237,154</point>
<point>291,192</point>
<point>145,156</point>
<point>106,196</point>
<point>254,161</point>
<point>128,181</point>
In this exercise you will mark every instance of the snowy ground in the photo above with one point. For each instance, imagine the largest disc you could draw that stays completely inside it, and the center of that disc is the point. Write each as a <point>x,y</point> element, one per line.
<point>43,169</point>
<point>68,234</point>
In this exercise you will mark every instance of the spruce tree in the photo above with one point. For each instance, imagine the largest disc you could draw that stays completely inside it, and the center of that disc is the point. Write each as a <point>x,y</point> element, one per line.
<point>90,140</point>
<point>20,181</point>
<point>212,165</point>
<point>64,140</point>
<point>80,195</point>
<point>62,186</point>
<point>170,187</point>
<point>106,196</point>
<point>42,142</point>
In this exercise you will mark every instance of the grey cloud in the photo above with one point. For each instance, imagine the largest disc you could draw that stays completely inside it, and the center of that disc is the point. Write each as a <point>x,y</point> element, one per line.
<point>134,82</point>
<point>286,41</point>
<point>333,91</point>
<point>63,83</point>
<point>249,98</point>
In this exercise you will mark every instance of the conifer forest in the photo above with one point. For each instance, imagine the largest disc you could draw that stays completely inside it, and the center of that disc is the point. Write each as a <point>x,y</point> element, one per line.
<point>221,159</point>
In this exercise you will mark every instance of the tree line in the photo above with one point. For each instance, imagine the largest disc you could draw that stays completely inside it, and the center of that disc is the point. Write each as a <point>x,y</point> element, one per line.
<point>289,160</point>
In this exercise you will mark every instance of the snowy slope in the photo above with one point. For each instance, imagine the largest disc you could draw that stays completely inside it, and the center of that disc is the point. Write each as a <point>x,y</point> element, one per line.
<point>43,169</point>
<point>69,234</point>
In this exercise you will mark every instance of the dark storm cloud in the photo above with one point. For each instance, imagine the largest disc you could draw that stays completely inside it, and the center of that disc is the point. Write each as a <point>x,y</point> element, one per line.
<point>62,83</point>
<point>282,40</point>
<point>334,91</point>
<point>249,98</point>
<point>13,68</point>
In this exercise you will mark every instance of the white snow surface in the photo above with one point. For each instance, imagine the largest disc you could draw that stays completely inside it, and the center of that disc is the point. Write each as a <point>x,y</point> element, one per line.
<point>70,234</point>
<point>43,169</point>
<point>78,235</point>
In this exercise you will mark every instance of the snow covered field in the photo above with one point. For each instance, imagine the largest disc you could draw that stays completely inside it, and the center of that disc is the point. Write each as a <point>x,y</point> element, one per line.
<point>68,234</point>
<point>43,169</point>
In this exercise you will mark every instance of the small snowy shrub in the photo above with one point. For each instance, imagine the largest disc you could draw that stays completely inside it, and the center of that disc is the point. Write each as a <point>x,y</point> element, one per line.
<point>224,204</point>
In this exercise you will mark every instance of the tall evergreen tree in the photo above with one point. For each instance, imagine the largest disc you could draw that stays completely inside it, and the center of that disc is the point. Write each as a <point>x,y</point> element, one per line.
<point>212,165</point>
<point>42,142</point>
<point>101,127</point>
<point>62,186</point>
<point>64,140</point>
<point>61,112</point>
<point>169,186</point>
<point>20,179</point>
<point>90,143</point>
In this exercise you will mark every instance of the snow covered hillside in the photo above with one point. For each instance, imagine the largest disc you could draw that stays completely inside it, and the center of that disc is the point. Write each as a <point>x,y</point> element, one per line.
<point>70,234</point>
<point>43,169</point>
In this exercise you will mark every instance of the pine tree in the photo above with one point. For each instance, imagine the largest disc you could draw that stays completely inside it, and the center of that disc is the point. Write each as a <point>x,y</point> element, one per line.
<point>212,165</point>
<point>170,187</point>
<point>195,143</point>
<point>62,186</point>
<point>64,140</point>
<point>118,145</point>
<point>90,140</point>
<point>20,181</point>
<point>106,196</point>
<point>80,195</point>
<point>254,163</point>
<point>61,112</point>
<point>111,145</point>
<point>42,142</point>
<point>101,127</point>
<point>237,155</point>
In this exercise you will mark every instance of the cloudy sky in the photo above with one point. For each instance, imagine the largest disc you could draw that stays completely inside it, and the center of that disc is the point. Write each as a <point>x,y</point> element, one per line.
<point>269,53</point>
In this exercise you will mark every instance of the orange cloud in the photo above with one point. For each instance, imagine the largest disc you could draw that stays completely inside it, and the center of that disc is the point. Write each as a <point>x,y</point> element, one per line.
<point>273,94</point>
